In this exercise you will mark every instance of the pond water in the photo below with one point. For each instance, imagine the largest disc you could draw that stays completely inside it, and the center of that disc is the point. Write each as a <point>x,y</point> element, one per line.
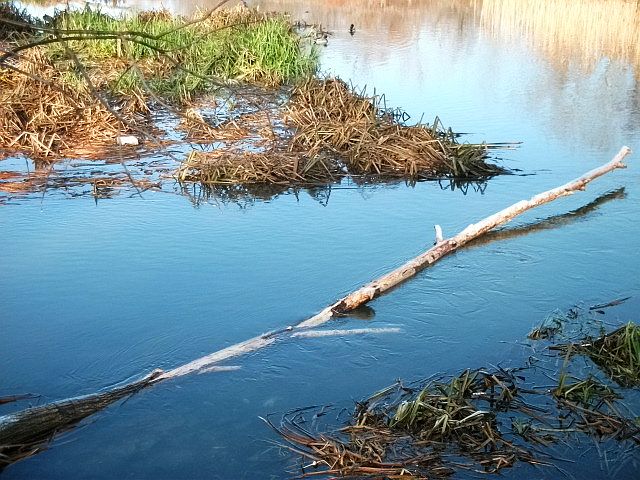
<point>93,293</point>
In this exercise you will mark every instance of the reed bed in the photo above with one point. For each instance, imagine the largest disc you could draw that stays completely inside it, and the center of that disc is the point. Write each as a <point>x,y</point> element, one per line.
<point>255,127</point>
<point>50,81</point>
<point>46,118</point>
<point>331,132</point>
<point>428,432</point>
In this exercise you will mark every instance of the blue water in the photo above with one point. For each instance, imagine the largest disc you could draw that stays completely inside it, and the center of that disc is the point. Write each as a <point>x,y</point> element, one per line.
<point>93,293</point>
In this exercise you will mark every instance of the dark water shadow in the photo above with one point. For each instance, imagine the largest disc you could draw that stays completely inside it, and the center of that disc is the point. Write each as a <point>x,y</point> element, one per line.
<point>246,195</point>
<point>550,223</point>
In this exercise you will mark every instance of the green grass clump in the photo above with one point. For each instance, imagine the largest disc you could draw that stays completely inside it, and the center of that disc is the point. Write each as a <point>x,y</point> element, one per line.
<point>441,409</point>
<point>618,354</point>
<point>177,58</point>
<point>588,392</point>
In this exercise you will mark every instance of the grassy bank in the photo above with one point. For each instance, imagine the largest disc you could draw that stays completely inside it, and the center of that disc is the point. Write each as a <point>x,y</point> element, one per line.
<point>177,57</point>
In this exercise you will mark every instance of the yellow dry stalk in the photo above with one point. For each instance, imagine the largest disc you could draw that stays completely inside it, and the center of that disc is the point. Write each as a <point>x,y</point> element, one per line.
<point>46,117</point>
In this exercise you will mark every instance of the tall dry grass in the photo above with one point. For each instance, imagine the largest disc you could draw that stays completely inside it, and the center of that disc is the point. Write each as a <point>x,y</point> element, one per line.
<point>562,29</point>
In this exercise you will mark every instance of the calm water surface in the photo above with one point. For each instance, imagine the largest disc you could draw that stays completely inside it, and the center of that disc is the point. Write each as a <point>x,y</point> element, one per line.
<point>93,294</point>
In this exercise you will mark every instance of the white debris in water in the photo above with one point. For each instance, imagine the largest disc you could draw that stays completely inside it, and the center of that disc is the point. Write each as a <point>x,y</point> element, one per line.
<point>127,140</point>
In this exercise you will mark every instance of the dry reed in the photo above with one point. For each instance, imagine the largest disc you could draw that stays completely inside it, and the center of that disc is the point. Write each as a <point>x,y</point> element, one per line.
<point>275,167</point>
<point>590,29</point>
<point>43,116</point>
<point>328,115</point>
<point>333,132</point>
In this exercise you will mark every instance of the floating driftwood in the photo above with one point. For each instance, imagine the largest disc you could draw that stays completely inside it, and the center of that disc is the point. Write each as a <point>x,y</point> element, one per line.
<point>39,424</point>
<point>445,246</point>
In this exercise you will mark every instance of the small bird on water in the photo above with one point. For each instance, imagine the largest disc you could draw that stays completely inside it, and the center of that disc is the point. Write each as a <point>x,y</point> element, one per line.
<point>321,38</point>
<point>352,29</point>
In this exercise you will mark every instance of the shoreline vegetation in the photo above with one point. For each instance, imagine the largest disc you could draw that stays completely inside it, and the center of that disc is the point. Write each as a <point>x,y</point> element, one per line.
<point>486,419</point>
<point>74,85</point>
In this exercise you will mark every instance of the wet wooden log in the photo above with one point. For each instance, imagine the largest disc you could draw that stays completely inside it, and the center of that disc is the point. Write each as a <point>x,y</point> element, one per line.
<point>377,287</point>
<point>24,433</point>
<point>445,246</point>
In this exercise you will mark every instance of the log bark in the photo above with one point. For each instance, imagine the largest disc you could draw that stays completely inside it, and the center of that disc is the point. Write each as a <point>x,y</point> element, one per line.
<point>24,433</point>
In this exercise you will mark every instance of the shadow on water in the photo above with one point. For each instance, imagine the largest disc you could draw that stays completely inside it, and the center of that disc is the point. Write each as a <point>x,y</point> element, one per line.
<point>550,223</point>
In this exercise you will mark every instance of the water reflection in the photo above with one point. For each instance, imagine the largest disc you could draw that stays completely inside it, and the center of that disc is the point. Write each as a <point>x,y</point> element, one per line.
<point>608,28</point>
<point>581,74</point>
<point>553,222</point>
<point>585,30</point>
<point>604,28</point>
<point>246,195</point>
<point>92,295</point>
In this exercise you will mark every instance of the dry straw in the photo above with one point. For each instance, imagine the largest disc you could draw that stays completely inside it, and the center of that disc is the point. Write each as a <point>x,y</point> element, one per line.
<point>335,131</point>
<point>43,116</point>
<point>276,167</point>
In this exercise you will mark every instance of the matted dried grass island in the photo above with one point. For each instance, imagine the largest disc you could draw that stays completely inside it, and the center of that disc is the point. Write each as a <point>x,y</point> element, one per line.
<point>328,130</point>
<point>73,85</point>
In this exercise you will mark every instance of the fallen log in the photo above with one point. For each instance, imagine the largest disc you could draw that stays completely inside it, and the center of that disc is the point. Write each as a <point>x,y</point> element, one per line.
<point>23,433</point>
<point>444,247</point>
<point>377,287</point>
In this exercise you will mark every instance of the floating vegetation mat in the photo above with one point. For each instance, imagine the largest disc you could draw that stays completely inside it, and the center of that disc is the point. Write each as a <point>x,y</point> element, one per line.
<point>255,167</point>
<point>332,131</point>
<point>479,421</point>
<point>327,114</point>
<point>71,85</point>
